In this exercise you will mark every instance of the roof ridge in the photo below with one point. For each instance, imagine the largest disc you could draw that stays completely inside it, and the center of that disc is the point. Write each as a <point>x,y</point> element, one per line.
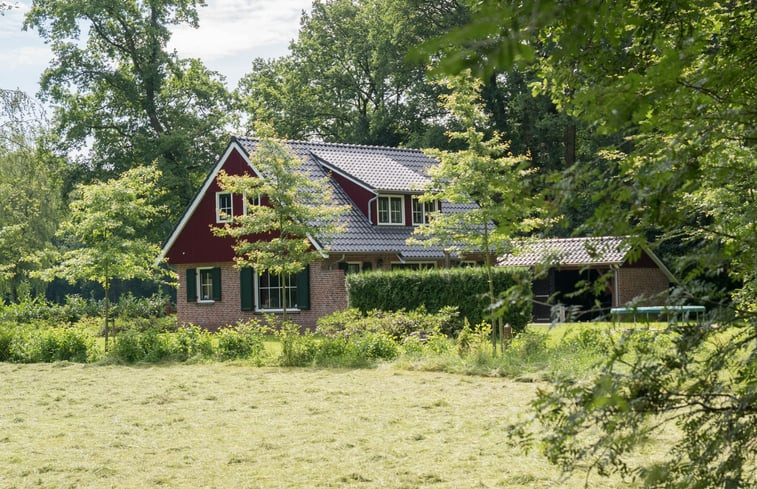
<point>324,143</point>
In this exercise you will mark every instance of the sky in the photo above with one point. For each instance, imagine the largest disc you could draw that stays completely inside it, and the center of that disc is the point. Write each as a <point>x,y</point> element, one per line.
<point>232,33</point>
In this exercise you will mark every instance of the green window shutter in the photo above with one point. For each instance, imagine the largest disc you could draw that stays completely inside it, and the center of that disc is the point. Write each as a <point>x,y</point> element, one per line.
<point>246,288</point>
<point>342,266</point>
<point>191,285</point>
<point>367,266</point>
<point>303,288</point>
<point>216,284</point>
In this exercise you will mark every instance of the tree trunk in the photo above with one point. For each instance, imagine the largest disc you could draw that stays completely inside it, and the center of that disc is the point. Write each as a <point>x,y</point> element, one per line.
<point>570,144</point>
<point>490,281</point>
<point>283,278</point>
<point>107,306</point>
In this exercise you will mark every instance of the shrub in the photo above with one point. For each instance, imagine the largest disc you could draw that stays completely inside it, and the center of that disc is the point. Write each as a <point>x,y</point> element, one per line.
<point>397,324</point>
<point>32,345</point>
<point>151,345</point>
<point>463,288</point>
<point>193,341</point>
<point>6,338</point>
<point>297,350</point>
<point>245,340</point>
<point>128,346</point>
<point>373,346</point>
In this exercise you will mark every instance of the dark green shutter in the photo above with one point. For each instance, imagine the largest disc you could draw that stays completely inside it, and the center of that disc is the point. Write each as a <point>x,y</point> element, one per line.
<point>216,284</point>
<point>303,288</point>
<point>245,288</point>
<point>342,266</point>
<point>367,266</point>
<point>191,285</point>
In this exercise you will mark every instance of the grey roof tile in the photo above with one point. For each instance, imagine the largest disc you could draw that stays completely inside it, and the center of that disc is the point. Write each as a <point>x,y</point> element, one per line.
<point>569,252</point>
<point>382,169</point>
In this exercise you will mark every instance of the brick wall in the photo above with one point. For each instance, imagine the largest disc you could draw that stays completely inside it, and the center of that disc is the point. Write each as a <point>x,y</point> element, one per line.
<point>327,294</point>
<point>634,282</point>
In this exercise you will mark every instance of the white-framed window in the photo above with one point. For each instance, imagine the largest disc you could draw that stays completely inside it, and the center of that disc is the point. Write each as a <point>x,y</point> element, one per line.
<point>224,207</point>
<point>422,211</point>
<point>391,209</point>
<point>416,265</point>
<point>468,263</point>
<point>270,292</point>
<point>204,285</point>
<point>354,267</point>
<point>250,202</point>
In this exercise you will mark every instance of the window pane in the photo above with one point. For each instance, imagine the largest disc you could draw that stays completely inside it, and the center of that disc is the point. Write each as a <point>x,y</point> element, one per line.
<point>224,207</point>
<point>383,209</point>
<point>396,215</point>
<point>206,285</point>
<point>417,211</point>
<point>271,291</point>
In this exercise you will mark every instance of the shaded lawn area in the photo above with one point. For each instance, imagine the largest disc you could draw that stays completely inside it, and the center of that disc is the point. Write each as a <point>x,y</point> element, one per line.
<point>222,425</point>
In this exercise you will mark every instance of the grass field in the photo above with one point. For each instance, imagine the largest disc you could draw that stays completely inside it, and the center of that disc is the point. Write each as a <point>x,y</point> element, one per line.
<point>219,425</point>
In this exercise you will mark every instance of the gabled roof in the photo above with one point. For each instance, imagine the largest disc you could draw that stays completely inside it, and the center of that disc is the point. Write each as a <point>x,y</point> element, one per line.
<point>375,168</point>
<point>576,252</point>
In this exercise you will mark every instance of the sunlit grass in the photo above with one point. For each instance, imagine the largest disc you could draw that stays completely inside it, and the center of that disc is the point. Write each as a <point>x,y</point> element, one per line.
<point>220,425</point>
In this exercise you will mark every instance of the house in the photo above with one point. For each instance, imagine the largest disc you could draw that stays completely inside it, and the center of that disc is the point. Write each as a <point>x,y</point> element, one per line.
<point>380,184</point>
<point>573,260</point>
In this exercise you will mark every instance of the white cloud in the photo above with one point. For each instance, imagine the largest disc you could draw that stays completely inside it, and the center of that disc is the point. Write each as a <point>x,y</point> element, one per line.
<point>236,27</point>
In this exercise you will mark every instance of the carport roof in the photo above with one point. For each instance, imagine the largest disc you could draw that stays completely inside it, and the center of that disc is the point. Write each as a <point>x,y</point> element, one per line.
<point>605,250</point>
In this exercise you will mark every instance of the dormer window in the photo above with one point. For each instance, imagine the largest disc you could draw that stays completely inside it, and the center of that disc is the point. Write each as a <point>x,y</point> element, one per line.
<point>224,207</point>
<point>391,209</point>
<point>422,211</point>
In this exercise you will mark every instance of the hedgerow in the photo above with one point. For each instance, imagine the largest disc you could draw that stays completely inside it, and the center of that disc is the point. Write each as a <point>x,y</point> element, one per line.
<point>463,288</point>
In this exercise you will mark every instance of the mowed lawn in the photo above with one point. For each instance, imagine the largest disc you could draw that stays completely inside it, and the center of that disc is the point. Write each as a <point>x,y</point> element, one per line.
<point>220,425</point>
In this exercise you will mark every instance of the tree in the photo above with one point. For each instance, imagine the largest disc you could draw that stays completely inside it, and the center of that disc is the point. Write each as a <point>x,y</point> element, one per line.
<point>485,173</point>
<point>670,78</point>
<point>121,98</point>
<point>296,216</point>
<point>106,232</point>
<point>30,191</point>
<point>347,77</point>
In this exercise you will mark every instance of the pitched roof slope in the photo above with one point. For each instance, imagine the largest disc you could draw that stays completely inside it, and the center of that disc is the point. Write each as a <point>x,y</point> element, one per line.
<point>379,169</point>
<point>606,250</point>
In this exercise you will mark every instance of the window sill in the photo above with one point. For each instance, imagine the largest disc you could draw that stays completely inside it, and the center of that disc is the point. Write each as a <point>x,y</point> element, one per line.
<point>206,301</point>
<point>263,311</point>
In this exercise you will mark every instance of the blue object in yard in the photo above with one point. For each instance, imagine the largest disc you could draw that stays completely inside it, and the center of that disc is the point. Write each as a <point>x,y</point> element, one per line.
<point>685,310</point>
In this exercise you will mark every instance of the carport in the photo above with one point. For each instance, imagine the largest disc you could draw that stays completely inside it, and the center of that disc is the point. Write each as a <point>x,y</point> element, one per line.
<point>568,265</point>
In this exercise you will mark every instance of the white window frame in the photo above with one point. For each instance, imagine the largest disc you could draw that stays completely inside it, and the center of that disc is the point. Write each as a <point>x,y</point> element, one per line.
<point>199,285</point>
<point>431,263</point>
<point>389,209</point>
<point>219,217</point>
<point>425,212</point>
<point>359,265</point>
<point>468,263</point>
<point>249,201</point>
<point>258,307</point>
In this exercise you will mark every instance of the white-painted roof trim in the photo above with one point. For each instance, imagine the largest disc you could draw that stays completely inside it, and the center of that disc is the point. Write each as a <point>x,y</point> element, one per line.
<point>659,263</point>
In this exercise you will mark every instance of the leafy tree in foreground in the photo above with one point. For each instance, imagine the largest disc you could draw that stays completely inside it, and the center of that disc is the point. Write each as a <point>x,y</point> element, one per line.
<point>485,173</point>
<point>675,79</point>
<point>295,211</point>
<point>106,232</point>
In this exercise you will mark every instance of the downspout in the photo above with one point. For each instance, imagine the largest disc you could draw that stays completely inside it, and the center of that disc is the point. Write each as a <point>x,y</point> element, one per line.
<point>615,279</point>
<point>370,201</point>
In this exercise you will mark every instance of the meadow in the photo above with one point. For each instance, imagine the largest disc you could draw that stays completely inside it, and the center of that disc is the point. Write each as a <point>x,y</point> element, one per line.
<point>66,425</point>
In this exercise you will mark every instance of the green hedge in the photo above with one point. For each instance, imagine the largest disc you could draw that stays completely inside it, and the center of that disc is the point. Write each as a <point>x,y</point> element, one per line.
<point>463,288</point>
